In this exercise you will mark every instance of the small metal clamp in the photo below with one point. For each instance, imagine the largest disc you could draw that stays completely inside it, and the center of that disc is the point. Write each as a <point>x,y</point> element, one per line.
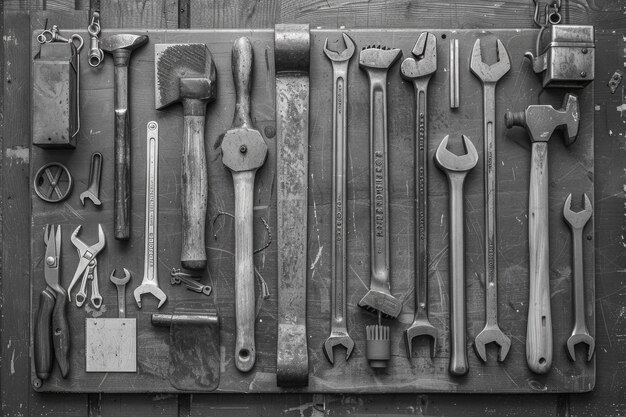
<point>96,56</point>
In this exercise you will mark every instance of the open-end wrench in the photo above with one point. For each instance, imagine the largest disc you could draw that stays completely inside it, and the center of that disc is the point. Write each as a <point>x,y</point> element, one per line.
<point>577,222</point>
<point>419,69</point>
<point>489,76</point>
<point>93,190</point>
<point>120,284</point>
<point>243,152</point>
<point>376,61</point>
<point>177,276</point>
<point>150,281</point>
<point>339,328</point>
<point>456,168</point>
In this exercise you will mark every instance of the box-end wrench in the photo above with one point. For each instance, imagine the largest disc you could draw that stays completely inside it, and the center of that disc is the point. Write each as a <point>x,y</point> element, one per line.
<point>489,76</point>
<point>243,152</point>
<point>150,282</point>
<point>419,70</point>
<point>456,168</point>
<point>339,335</point>
<point>577,222</point>
<point>376,61</point>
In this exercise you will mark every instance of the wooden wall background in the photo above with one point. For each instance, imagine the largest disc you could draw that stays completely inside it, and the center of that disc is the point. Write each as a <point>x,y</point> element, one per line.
<point>19,17</point>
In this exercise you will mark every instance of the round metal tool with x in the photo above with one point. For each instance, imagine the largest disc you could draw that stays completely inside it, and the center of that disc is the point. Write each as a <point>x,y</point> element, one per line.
<point>53,182</point>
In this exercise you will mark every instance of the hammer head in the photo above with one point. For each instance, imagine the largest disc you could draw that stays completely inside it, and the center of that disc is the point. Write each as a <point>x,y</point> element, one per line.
<point>122,44</point>
<point>183,71</point>
<point>540,121</point>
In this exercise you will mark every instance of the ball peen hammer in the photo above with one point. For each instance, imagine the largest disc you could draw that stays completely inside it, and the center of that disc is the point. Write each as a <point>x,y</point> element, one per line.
<point>121,46</point>
<point>540,122</point>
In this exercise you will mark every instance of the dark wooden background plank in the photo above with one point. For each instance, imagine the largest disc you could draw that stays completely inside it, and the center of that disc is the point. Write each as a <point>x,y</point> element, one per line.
<point>606,400</point>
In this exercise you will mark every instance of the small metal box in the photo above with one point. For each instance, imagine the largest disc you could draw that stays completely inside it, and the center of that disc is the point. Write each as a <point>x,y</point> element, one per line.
<point>55,96</point>
<point>567,61</point>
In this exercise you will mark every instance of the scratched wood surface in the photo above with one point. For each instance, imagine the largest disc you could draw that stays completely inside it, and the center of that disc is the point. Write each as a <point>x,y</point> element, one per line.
<point>571,171</point>
<point>20,15</point>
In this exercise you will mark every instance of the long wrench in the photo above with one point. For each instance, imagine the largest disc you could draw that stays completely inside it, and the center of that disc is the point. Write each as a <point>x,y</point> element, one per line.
<point>580,332</point>
<point>339,335</point>
<point>376,61</point>
<point>489,76</point>
<point>419,70</point>
<point>243,151</point>
<point>150,281</point>
<point>456,168</point>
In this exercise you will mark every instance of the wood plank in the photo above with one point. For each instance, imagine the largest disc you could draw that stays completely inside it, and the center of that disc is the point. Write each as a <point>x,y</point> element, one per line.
<point>234,13</point>
<point>571,171</point>
<point>138,14</point>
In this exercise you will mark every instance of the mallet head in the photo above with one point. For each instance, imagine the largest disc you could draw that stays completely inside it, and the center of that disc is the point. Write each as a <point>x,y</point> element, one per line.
<point>540,121</point>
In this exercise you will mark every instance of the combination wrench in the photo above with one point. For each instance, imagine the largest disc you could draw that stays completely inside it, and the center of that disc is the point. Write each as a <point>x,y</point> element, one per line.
<point>489,76</point>
<point>419,70</point>
<point>339,335</point>
<point>150,281</point>
<point>456,168</point>
<point>580,332</point>
<point>376,61</point>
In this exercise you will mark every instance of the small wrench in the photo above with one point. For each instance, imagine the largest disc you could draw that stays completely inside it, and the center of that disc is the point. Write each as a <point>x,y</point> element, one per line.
<point>489,76</point>
<point>192,285</point>
<point>419,70</point>
<point>456,168</point>
<point>339,335</point>
<point>120,283</point>
<point>93,190</point>
<point>150,282</point>
<point>376,61</point>
<point>577,222</point>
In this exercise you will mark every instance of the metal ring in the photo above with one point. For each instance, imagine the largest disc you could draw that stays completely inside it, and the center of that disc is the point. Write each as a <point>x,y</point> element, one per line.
<point>55,179</point>
<point>45,37</point>
<point>80,44</point>
<point>93,29</point>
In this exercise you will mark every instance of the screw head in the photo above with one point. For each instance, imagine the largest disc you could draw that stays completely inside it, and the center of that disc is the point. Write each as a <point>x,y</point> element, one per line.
<point>584,50</point>
<point>243,149</point>
<point>50,260</point>
<point>583,74</point>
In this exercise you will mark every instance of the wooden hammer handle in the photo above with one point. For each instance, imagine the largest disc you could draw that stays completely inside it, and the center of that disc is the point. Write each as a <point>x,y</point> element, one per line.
<point>539,331</point>
<point>121,209</point>
<point>194,194</point>
<point>245,354</point>
<point>242,62</point>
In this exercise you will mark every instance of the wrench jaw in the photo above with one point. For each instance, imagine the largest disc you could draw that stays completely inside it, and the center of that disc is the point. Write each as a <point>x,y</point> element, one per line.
<point>425,61</point>
<point>338,340</point>
<point>344,55</point>
<point>492,335</point>
<point>377,57</point>
<point>447,161</point>
<point>149,289</point>
<point>577,220</point>
<point>120,281</point>
<point>493,72</point>
<point>420,328</point>
<point>580,337</point>
<point>88,194</point>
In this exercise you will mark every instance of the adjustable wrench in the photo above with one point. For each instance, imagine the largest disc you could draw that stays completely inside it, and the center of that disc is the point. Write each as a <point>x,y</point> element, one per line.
<point>456,168</point>
<point>577,222</point>
<point>243,152</point>
<point>419,70</point>
<point>339,328</point>
<point>376,61</point>
<point>489,76</point>
<point>150,281</point>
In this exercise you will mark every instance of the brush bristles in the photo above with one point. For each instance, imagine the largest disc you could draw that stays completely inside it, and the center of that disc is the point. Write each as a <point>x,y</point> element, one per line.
<point>376,332</point>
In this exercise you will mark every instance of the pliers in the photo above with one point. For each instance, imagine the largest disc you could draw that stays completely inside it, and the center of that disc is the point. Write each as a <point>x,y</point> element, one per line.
<point>51,327</point>
<point>88,268</point>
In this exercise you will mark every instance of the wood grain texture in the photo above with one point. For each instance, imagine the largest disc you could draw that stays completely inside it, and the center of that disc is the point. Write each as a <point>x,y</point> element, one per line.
<point>138,14</point>
<point>572,170</point>
<point>605,401</point>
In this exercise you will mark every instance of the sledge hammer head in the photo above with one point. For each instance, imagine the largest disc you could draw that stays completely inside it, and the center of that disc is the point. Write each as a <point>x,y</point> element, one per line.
<point>540,121</point>
<point>185,73</point>
<point>121,46</point>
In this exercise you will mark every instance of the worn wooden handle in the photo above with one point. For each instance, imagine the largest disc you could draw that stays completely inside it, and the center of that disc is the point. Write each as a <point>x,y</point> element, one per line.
<point>121,207</point>
<point>43,336</point>
<point>242,63</point>
<point>539,331</point>
<point>245,354</point>
<point>194,194</point>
